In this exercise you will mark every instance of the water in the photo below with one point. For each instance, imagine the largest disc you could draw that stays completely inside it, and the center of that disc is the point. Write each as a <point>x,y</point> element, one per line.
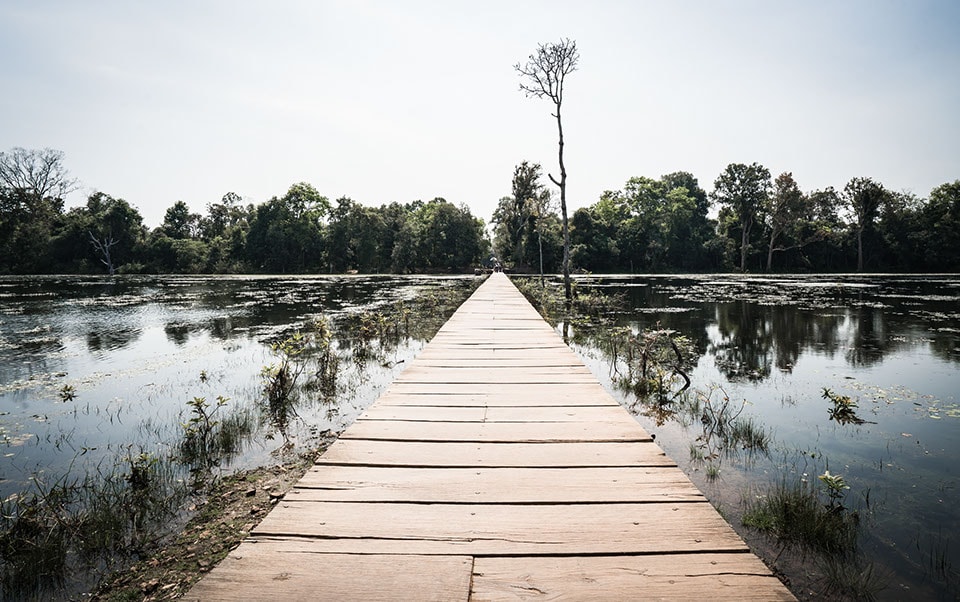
<point>135,349</point>
<point>891,343</point>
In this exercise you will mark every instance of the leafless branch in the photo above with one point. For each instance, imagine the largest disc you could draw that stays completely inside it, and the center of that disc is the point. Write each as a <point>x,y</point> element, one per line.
<point>40,172</point>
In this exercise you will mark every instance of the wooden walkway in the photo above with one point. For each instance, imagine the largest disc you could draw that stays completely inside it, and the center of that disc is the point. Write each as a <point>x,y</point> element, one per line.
<point>495,467</point>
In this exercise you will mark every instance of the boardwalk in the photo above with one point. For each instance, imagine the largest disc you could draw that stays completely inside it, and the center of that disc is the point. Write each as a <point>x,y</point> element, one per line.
<point>494,468</point>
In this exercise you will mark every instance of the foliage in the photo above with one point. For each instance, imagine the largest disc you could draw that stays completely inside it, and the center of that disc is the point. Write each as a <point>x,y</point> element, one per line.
<point>863,197</point>
<point>650,225</point>
<point>88,523</point>
<point>797,516</point>
<point>844,409</point>
<point>744,191</point>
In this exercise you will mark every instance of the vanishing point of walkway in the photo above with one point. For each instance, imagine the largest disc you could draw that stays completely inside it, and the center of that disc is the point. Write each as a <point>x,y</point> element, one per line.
<point>495,467</point>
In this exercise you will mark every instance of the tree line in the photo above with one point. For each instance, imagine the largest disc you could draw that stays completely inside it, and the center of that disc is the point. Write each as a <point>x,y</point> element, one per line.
<point>298,232</point>
<point>748,222</point>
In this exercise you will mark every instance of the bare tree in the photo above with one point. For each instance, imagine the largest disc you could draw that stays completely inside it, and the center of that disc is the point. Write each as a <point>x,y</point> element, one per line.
<point>40,172</point>
<point>542,76</point>
<point>103,246</point>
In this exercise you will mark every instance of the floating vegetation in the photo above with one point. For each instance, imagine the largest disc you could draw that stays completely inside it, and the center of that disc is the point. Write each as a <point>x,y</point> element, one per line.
<point>101,507</point>
<point>67,393</point>
<point>844,409</point>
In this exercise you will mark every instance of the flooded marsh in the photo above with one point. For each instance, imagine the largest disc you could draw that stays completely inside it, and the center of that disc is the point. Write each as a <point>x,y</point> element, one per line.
<point>793,379</point>
<point>123,399</point>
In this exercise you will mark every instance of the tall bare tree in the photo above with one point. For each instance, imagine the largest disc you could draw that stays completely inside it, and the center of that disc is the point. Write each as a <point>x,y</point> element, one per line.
<point>39,172</point>
<point>543,76</point>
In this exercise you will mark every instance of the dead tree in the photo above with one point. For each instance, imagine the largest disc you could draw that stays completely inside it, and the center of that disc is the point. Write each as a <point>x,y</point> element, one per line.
<point>542,76</point>
<point>103,247</point>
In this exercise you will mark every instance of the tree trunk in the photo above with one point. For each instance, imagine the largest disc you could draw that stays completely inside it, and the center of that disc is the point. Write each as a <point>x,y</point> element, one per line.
<point>540,244</point>
<point>860,249</point>
<point>567,291</point>
<point>744,244</point>
<point>773,240</point>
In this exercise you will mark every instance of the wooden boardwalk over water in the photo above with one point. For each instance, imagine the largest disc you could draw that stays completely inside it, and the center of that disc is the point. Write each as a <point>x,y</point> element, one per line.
<point>495,467</point>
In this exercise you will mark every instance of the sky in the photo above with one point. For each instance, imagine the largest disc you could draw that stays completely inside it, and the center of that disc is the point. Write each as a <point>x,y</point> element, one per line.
<point>399,100</point>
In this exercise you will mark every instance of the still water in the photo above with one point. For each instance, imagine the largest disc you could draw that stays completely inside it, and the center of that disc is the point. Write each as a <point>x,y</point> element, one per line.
<point>890,343</point>
<point>131,351</point>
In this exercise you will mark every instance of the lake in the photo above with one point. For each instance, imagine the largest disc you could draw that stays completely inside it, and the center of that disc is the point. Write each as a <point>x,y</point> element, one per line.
<point>98,374</point>
<point>96,371</point>
<point>771,345</point>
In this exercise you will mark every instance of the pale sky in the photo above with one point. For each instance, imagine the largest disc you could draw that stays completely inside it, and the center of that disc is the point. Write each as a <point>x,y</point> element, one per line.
<point>385,101</point>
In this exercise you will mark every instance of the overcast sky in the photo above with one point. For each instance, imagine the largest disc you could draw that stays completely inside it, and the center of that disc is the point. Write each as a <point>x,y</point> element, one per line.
<point>384,101</point>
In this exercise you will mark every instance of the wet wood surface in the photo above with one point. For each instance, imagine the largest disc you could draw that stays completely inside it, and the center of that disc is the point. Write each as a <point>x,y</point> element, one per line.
<point>494,468</point>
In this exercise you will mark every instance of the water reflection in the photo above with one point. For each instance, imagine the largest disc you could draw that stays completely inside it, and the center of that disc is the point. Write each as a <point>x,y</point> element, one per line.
<point>107,384</point>
<point>886,349</point>
<point>111,340</point>
<point>753,326</point>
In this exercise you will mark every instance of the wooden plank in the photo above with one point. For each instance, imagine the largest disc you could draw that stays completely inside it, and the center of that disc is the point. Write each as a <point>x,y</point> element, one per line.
<point>529,393</point>
<point>271,570</point>
<point>497,432</point>
<point>523,360</point>
<point>673,577</point>
<point>425,395</point>
<point>494,485</point>
<point>483,376</point>
<point>547,455</point>
<point>435,350</point>
<point>445,413</point>
<point>503,529</point>
<point>500,374</point>
<point>495,446</point>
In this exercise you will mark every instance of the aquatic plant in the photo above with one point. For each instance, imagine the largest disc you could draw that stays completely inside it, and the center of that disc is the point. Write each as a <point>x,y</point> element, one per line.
<point>835,487</point>
<point>851,578</point>
<point>68,530</point>
<point>796,516</point>
<point>211,435</point>
<point>844,409</point>
<point>67,393</point>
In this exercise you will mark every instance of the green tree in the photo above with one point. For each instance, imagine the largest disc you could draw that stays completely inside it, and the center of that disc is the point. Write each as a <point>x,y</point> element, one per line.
<point>940,228</point>
<point>899,229</point>
<point>518,236</point>
<point>826,249</point>
<point>353,238</point>
<point>286,233</point>
<point>543,75</point>
<point>179,223</point>
<point>790,218</point>
<point>33,184</point>
<point>862,198</point>
<point>743,189</point>
<point>116,231</point>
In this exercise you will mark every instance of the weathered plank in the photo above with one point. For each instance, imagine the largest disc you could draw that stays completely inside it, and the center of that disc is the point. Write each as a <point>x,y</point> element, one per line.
<point>625,429</point>
<point>503,529</point>
<point>495,455</point>
<point>271,570</point>
<point>494,485</point>
<point>675,577</point>
<point>445,413</point>
<point>586,393</point>
<point>512,396</point>
<point>470,376</point>
<point>494,459</point>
